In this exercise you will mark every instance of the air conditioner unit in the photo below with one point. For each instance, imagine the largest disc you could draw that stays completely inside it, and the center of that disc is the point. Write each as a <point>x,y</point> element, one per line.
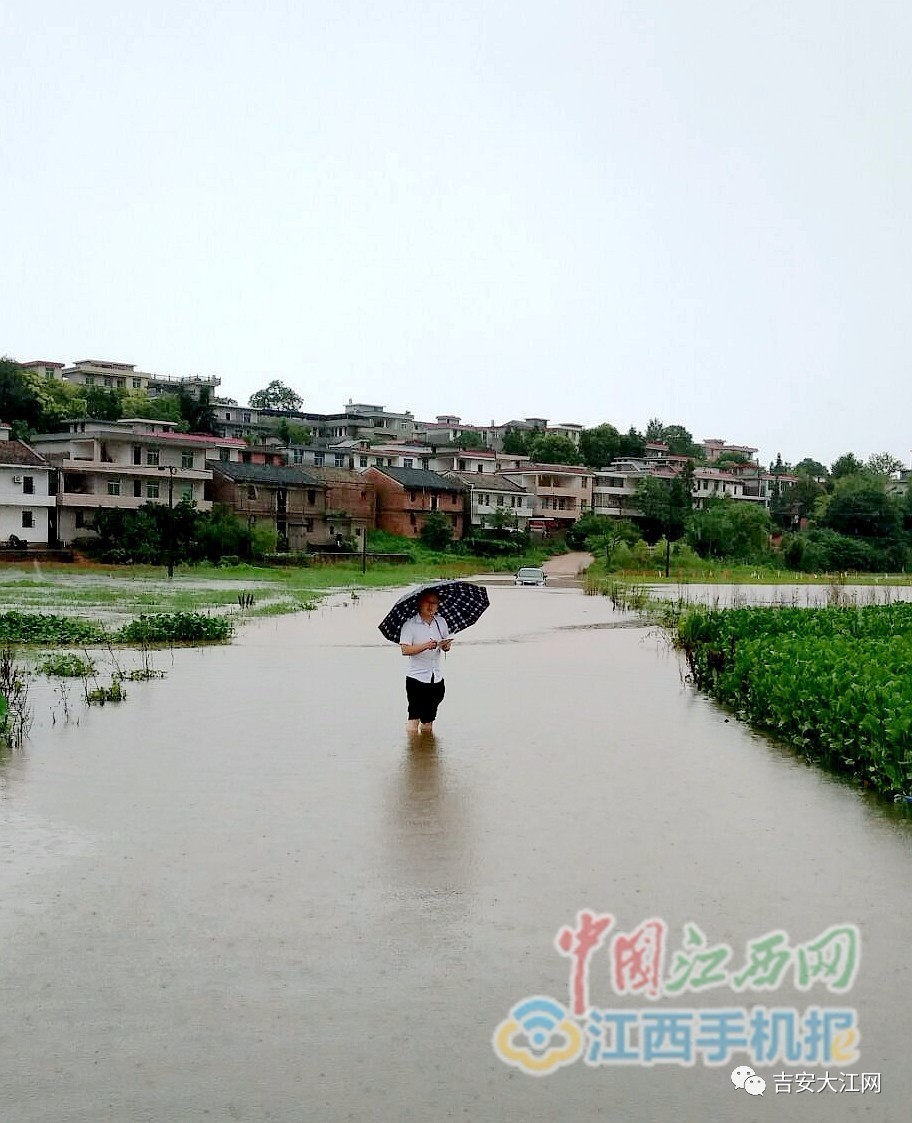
<point>17,479</point>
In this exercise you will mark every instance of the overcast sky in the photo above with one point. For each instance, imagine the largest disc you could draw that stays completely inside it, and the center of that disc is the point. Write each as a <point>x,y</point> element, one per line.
<point>585,211</point>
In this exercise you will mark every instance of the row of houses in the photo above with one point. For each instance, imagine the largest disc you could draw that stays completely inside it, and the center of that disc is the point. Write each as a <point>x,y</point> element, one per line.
<point>50,488</point>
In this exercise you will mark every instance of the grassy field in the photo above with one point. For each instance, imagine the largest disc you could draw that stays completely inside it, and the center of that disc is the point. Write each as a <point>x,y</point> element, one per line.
<point>720,573</point>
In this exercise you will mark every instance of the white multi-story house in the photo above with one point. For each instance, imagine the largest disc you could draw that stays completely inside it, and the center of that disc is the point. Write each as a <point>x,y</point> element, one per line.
<point>560,493</point>
<point>109,375</point>
<point>614,489</point>
<point>123,464</point>
<point>27,501</point>
<point>476,460</point>
<point>493,496</point>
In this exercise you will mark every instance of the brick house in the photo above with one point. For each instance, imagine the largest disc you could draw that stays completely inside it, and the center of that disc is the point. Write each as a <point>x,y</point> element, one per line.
<point>406,496</point>
<point>286,500</point>
<point>350,501</point>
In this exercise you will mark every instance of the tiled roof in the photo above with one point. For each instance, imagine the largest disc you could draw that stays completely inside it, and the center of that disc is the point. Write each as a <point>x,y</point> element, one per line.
<point>265,474</point>
<point>578,469</point>
<point>18,452</point>
<point>421,479</point>
<point>487,481</point>
<point>331,475</point>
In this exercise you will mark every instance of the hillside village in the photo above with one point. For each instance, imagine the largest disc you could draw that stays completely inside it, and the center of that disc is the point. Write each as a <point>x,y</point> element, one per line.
<point>323,480</point>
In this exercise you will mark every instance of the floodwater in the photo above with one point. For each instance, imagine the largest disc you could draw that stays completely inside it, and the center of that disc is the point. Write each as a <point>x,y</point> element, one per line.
<point>244,895</point>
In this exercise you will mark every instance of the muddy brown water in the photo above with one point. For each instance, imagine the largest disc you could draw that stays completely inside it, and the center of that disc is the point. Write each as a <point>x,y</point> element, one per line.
<point>243,895</point>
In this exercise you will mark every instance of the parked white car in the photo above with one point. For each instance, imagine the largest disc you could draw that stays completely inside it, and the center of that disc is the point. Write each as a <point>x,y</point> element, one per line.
<point>529,575</point>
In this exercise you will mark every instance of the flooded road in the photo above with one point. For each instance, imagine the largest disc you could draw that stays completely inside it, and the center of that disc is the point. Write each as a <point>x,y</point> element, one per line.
<point>243,895</point>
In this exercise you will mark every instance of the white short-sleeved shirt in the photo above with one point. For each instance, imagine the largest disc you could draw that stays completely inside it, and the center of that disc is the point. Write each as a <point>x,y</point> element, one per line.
<point>423,666</point>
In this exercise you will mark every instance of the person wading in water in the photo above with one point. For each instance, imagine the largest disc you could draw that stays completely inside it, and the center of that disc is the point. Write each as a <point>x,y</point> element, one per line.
<point>422,639</point>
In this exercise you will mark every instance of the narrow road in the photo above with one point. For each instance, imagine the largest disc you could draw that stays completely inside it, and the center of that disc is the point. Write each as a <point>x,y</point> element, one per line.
<point>568,565</point>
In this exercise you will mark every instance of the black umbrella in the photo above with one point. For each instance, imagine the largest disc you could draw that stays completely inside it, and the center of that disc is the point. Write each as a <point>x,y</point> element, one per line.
<point>461,603</point>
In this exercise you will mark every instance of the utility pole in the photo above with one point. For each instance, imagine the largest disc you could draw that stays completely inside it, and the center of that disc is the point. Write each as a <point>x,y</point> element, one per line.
<point>170,469</point>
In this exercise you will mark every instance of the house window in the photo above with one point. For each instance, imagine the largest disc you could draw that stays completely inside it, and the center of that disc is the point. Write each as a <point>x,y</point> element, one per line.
<point>108,381</point>
<point>480,468</point>
<point>462,465</point>
<point>113,487</point>
<point>413,520</point>
<point>152,489</point>
<point>187,494</point>
<point>308,524</point>
<point>500,501</point>
<point>251,492</point>
<point>80,520</point>
<point>28,520</point>
<point>389,462</point>
<point>362,461</point>
<point>137,454</point>
<point>223,455</point>
<point>137,384</point>
<point>137,489</point>
<point>340,460</point>
<point>28,485</point>
<point>186,459</point>
<point>246,418</point>
<point>311,496</point>
<point>408,463</point>
<point>152,457</point>
<point>411,497</point>
<point>121,383</point>
<point>425,464</point>
<point>319,459</point>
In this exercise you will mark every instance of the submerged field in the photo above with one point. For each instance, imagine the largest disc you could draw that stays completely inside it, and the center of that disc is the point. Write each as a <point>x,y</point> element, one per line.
<point>831,682</point>
<point>116,593</point>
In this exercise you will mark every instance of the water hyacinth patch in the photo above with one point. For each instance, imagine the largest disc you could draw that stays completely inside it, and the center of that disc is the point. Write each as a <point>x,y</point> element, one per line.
<point>832,682</point>
<point>42,628</point>
<point>176,627</point>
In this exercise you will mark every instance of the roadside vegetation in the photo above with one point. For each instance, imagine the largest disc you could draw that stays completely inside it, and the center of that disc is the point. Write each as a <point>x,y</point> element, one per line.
<point>831,682</point>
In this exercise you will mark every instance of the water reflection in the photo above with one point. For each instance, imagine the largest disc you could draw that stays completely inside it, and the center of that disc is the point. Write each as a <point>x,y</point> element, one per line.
<point>429,837</point>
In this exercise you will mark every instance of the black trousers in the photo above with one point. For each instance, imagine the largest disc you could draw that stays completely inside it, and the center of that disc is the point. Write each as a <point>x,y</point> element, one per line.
<point>423,699</point>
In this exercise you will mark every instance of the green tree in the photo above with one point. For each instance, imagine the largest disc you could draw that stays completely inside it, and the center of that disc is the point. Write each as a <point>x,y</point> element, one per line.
<point>20,404</point>
<point>809,467</point>
<point>437,531</point>
<point>103,405</point>
<point>729,528</point>
<point>666,504</point>
<point>633,444</point>
<point>883,464</point>
<point>550,448</point>
<point>860,507</point>
<point>276,396</point>
<point>163,407</point>
<point>847,465</point>
<point>197,413</point>
<point>516,442</point>
<point>680,442</point>
<point>599,446</point>
<point>655,429</point>
<point>293,433</point>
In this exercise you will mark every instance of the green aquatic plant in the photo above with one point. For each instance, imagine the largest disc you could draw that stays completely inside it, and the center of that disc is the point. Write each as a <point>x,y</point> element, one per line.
<point>832,682</point>
<point>66,664</point>
<point>176,627</point>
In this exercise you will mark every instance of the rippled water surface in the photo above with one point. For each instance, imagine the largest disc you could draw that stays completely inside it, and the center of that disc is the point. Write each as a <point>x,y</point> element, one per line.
<point>244,895</point>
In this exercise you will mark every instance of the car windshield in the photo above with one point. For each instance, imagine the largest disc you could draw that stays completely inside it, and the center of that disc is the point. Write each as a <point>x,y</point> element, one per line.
<point>530,573</point>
